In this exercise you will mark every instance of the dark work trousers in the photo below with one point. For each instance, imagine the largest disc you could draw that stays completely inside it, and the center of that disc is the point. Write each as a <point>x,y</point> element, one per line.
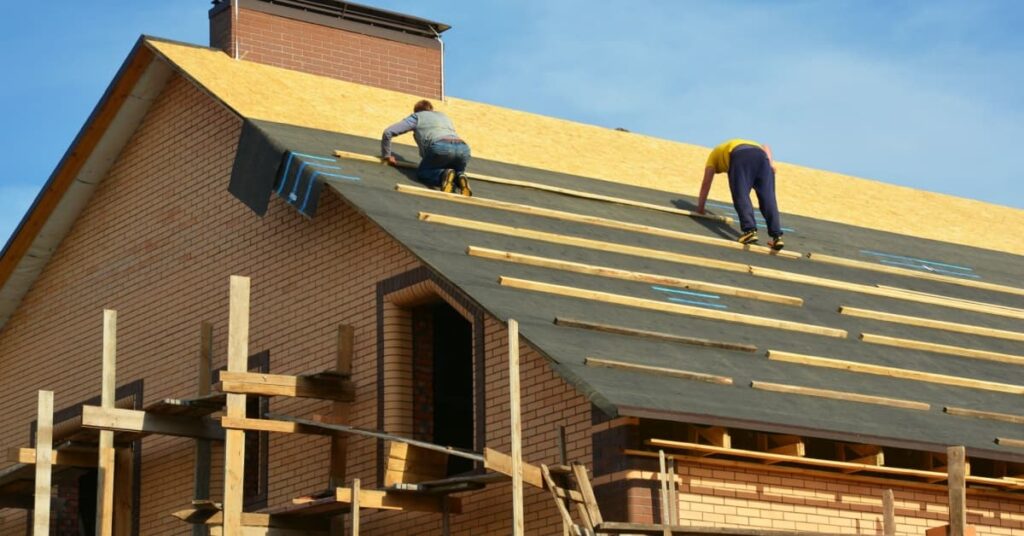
<point>750,169</point>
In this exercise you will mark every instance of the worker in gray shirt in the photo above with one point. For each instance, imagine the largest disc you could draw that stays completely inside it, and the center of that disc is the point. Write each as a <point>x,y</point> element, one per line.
<point>443,155</point>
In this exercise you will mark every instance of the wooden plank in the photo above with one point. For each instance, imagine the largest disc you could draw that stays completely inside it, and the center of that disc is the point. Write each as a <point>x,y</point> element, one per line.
<point>43,461</point>
<point>597,245</point>
<point>355,506</point>
<point>839,395</point>
<point>250,530</point>
<point>886,292</point>
<point>676,308</point>
<point>956,457</point>
<point>124,461</point>
<point>58,457</point>
<point>790,445</point>
<point>627,275</point>
<point>323,387</point>
<point>234,441</point>
<point>106,465</point>
<point>579,472</point>
<point>959,351</point>
<point>203,464</point>
<point>967,305</point>
<point>1007,442</point>
<point>554,488</point>
<point>661,371</point>
<point>840,261</point>
<point>130,420</point>
<point>906,374</point>
<point>516,425</point>
<point>933,324</point>
<point>411,464</point>
<point>663,492</point>
<point>718,436</point>
<point>500,462</point>
<point>991,415</point>
<point>656,335</point>
<point>340,410</point>
<point>383,500</point>
<point>888,513</point>
<point>593,220</point>
<point>795,459</point>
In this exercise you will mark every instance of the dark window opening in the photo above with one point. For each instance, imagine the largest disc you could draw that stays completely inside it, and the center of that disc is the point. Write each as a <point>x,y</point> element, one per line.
<point>443,371</point>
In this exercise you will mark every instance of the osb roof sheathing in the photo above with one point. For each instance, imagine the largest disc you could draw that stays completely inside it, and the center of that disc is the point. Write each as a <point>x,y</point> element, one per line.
<point>269,93</point>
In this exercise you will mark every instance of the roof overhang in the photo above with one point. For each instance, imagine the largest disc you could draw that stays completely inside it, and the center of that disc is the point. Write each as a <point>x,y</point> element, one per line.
<point>94,150</point>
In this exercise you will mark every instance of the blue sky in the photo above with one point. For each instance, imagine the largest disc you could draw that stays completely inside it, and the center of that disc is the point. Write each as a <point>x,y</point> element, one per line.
<point>925,94</point>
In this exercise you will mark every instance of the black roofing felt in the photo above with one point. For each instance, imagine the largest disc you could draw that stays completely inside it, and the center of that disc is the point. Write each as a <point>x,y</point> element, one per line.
<point>443,248</point>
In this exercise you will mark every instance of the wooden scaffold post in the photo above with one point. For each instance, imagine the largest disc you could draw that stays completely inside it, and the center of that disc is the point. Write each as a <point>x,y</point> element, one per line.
<point>44,464</point>
<point>517,428</point>
<point>234,439</point>
<point>107,455</point>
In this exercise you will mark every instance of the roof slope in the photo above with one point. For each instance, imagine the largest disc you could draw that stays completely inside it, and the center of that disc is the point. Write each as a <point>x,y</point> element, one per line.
<point>269,93</point>
<point>441,240</point>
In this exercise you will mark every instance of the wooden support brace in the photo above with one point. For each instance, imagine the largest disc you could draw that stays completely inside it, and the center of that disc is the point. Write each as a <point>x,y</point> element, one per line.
<point>516,425</point>
<point>888,513</point>
<point>978,414</point>
<point>655,335</point>
<point>44,461</point>
<point>500,462</point>
<point>234,441</point>
<point>107,456</point>
<point>717,436</point>
<point>946,349</point>
<point>956,458</point>
<point>355,506</point>
<point>68,458</point>
<point>662,371</point>
<point>130,420</point>
<point>921,322</point>
<point>340,410</point>
<point>839,395</point>
<point>323,387</point>
<point>791,445</point>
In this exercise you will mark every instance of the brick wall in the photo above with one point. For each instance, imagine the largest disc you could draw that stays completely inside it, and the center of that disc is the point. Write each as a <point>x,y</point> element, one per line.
<point>327,51</point>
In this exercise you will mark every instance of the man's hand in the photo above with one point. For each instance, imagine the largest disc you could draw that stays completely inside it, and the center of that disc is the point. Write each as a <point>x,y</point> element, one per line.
<point>391,160</point>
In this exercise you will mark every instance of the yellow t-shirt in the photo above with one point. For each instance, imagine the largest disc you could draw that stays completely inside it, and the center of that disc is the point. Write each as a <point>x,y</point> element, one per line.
<point>719,157</point>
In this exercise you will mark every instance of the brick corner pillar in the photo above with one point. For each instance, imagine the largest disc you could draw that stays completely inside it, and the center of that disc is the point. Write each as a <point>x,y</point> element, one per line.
<point>332,38</point>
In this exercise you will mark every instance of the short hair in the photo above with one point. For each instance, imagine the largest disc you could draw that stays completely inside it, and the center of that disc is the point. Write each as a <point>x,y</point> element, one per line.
<point>423,106</point>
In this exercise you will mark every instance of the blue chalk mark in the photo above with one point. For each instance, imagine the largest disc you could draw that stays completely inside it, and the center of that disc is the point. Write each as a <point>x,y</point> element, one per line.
<point>687,292</point>
<point>327,158</point>
<point>312,180</point>
<point>757,218</point>
<point>905,258</point>
<point>926,268</point>
<point>325,166</point>
<point>702,304</point>
<point>284,176</point>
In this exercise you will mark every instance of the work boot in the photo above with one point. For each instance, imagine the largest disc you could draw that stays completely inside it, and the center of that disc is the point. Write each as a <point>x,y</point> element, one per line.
<point>748,237</point>
<point>447,181</point>
<point>463,182</point>
<point>776,243</point>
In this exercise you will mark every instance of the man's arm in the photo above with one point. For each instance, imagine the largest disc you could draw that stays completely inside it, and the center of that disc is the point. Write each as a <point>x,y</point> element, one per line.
<point>396,129</point>
<point>705,188</point>
<point>771,159</point>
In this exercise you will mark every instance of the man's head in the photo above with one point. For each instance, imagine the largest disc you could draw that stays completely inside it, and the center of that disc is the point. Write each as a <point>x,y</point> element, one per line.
<point>423,106</point>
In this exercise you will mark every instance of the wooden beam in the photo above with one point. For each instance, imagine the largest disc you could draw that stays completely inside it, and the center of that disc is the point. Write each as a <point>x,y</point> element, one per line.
<point>593,220</point>
<point>875,267</point>
<point>661,371</point>
<point>44,461</point>
<point>959,351</point>
<point>340,410</point>
<point>106,466</point>
<point>554,489</point>
<point>905,374</point>
<point>203,465</point>
<point>888,513</point>
<point>130,420</point>
<point>516,428</point>
<point>355,506</point>
<point>627,275</point>
<point>384,500</point>
<point>500,462</point>
<point>956,458</point>
<point>587,243</point>
<point>234,441</point>
<point>59,457</point>
<point>842,466</point>
<point>409,464</point>
<point>718,436</point>
<point>1007,442</point>
<point>655,335</point>
<point>885,292</point>
<point>676,308</point>
<point>258,530</point>
<point>933,324</point>
<point>839,395</point>
<point>861,454</point>
<point>323,387</point>
<point>791,445</point>
<point>967,305</point>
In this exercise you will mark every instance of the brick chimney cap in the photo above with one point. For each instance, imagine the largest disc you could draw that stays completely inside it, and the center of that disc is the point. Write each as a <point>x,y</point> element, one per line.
<point>354,12</point>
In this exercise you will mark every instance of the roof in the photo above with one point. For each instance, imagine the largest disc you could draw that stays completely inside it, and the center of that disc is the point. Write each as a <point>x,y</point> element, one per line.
<point>619,265</point>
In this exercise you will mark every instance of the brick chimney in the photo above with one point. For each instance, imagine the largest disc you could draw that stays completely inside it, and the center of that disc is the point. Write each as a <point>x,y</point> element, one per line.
<point>332,38</point>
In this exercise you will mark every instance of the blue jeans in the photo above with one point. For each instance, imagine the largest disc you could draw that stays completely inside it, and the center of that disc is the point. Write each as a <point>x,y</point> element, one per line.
<point>440,156</point>
<point>750,169</point>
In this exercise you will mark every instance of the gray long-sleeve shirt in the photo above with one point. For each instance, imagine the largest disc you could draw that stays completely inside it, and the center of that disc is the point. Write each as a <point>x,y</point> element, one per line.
<point>427,127</point>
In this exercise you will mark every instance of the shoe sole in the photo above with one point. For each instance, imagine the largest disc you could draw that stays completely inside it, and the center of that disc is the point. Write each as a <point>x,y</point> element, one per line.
<point>464,187</point>
<point>751,240</point>
<point>448,183</point>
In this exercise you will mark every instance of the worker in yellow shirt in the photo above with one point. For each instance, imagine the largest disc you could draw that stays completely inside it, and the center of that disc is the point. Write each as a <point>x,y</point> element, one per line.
<point>750,167</point>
